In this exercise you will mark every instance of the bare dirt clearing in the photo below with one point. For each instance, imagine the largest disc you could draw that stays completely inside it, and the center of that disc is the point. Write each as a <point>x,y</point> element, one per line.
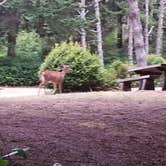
<point>87,129</point>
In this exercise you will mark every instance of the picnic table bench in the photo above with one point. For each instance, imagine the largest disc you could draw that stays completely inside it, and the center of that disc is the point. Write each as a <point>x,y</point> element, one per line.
<point>147,75</point>
<point>126,83</point>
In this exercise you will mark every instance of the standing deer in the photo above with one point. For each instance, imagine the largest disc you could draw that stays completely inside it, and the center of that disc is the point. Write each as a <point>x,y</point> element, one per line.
<point>54,77</point>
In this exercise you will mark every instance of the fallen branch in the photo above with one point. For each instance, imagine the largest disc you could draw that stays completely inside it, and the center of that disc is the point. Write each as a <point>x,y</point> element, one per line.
<point>1,3</point>
<point>18,151</point>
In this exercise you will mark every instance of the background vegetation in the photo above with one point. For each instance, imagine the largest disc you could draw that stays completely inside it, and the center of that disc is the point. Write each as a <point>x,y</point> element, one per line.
<point>29,31</point>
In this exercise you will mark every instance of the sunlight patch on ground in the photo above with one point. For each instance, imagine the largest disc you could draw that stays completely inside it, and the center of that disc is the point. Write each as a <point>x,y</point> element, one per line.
<point>91,124</point>
<point>18,92</point>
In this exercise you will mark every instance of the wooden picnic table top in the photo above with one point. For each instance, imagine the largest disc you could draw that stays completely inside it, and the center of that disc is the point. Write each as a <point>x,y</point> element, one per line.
<point>150,69</point>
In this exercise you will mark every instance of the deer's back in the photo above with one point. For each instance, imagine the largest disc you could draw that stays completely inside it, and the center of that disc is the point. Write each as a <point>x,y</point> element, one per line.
<point>53,76</point>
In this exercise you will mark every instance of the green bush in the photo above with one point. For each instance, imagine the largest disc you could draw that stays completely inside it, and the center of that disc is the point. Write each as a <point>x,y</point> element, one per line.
<point>121,69</point>
<point>154,59</point>
<point>28,44</point>
<point>108,76</point>
<point>21,71</point>
<point>111,73</point>
<point>85,66</point>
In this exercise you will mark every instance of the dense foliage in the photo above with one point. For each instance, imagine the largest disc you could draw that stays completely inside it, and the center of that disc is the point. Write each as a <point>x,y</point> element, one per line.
<point>23,69</point>
<point>111,73</point>
<point>85,66</point>
<point>154,59</point>
<point>28,44</point>
<point>29,30</point>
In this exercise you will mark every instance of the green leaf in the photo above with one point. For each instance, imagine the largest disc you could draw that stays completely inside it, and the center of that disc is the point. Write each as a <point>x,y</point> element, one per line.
<point>3,162</point>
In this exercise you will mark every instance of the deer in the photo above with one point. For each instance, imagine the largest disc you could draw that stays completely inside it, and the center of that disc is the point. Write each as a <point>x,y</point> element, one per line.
<point>54,77</point>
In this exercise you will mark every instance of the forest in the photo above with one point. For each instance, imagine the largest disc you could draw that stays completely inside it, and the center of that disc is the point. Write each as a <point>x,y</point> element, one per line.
<point>119,33</point>
<point>91,51</point>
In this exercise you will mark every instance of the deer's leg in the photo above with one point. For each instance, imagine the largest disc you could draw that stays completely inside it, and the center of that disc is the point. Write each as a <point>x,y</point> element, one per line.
<point>40,86</point>
<point>55,88</point>
<point>60,88</point>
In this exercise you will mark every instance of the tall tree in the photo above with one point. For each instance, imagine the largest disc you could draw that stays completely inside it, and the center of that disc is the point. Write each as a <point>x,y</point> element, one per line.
<point>139,45</point>
<point>99,31</point>
<point>159,41</point>
<point>130,43</point>
<point>12,33</point>
<point>147,26</point>
<point>10,19</point>
<point>83,17</point>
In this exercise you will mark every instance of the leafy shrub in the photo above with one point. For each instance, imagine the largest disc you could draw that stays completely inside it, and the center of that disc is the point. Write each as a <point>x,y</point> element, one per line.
<point>154,59</point>
<point>21,71</point>
<point>108,76</point>
<point>28,44</point>
<point>111,73</point>
<point>120,68</point>
<point>85,66</point>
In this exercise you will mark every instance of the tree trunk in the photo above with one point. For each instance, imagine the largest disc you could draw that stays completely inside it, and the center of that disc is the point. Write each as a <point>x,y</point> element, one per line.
<point>139,45</point>
<point>159,40</point>
<point>11,44</point>
<point>13,26</point>
<point>120,32</point>
<point>99,32</point>
<point>130,43</point>
<point>147,26</point>
<point>40,26</point>
<point>83,32</point>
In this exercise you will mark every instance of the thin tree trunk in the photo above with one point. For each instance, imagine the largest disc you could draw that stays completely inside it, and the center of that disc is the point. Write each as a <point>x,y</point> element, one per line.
<point>159,40</point>
<point>99,32</point>
<point>120,32</point>
<point>139,45</point>
<point>40,26</point>
<point>13,26</point>
<point>83,17</point>
<point>11,44</point>
<point>130,43</point>
<point>147,26</point>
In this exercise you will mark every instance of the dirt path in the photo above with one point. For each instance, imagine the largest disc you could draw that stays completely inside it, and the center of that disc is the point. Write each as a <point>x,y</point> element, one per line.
<point>87,129</point>
<point>10,92</point>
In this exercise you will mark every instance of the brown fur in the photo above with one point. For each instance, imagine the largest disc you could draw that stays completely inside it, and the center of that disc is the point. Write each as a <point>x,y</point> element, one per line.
<point>54,77</point>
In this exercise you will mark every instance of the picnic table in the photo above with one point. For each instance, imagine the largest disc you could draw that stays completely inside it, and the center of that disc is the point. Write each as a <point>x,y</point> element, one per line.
<point>147,75</point>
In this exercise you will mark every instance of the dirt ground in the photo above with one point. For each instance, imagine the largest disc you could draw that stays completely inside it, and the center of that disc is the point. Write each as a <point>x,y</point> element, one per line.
<point>86,129</point>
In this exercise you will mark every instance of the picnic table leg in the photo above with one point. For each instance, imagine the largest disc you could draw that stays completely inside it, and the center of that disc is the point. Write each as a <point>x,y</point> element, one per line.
<point>164,81</point>
<point>126,86</point>
<point>147,84</point>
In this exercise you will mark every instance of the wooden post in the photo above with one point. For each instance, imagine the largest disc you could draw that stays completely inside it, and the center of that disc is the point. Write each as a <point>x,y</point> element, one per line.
<point>164,81</point>
<point>147,84</point>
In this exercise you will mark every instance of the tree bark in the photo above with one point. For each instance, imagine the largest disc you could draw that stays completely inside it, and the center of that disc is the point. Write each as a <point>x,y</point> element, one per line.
<point>139,45</point>
<point>83,17</point>
<point>11,37</point>
<point>130,43</point>
<point>159,40</point>
<point>120,32</point>
<point>99,32</point>
<point>13,26</point>
<point>147,26</point>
